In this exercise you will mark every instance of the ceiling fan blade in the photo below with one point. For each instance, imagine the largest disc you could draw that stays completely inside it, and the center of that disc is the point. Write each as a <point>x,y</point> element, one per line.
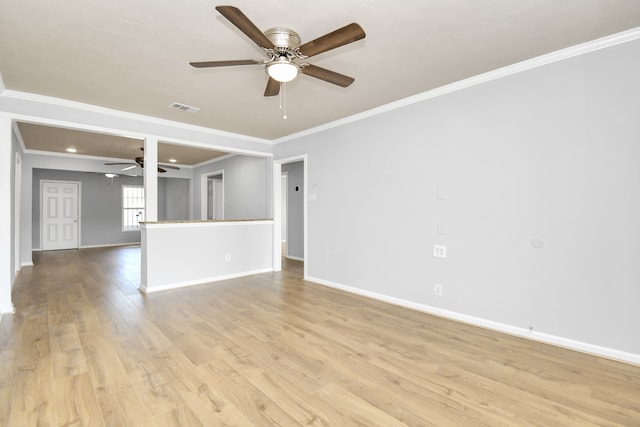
<point>129,167</point>
<point>273,87</point>
<point>326,75</point>
<point>345,35</point>
<point>207,64</point>
<point>244,24</point>
<point>160,170</point>
<point>170,167</point>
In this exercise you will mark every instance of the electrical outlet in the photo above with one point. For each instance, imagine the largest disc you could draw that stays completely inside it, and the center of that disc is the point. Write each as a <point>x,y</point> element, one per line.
<point>437,290</point>
<point>227,257</point>
<point>439,251</point>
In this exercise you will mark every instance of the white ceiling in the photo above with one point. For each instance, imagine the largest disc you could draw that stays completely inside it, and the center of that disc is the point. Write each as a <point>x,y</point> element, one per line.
<point>133,55</point>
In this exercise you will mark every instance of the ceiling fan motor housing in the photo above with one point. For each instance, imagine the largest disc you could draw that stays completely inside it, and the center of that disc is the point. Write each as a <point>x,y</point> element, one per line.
<point>285,40</point>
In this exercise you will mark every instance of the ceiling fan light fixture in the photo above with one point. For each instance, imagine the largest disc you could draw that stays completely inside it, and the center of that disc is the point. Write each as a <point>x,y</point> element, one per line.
<point>282,69</point>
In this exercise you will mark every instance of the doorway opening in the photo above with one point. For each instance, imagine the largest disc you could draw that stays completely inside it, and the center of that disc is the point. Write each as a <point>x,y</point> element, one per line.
<point>283,206</point>
<point>290,213</point>
<point>212,195</point>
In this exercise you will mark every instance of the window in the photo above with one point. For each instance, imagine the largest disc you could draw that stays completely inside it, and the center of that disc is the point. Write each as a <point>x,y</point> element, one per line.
<point>132,207</point>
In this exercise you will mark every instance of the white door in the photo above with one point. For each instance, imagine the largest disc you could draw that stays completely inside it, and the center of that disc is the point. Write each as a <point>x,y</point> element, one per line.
<point>59,215</point>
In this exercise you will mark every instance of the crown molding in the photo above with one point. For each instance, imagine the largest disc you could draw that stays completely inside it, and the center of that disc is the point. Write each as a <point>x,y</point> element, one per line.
<point>529,64</point>
<point>546,59</point>
<point>75,156</point>
<point>217,159</point>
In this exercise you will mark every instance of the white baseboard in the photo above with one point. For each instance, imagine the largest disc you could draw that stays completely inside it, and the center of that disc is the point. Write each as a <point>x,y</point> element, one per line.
<point>490,324</point>
<point>295,258</point>
<point>110,245</point>
<point>27,264</point>
<point>147,290</point>
<point>7,310</point>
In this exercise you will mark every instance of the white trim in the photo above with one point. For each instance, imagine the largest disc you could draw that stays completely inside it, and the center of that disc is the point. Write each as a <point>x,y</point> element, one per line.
<point>27,264</point>
<point>203,281</point>
<point>13,311</point>
<point>276,208</point>
<point>18,134</point>
<point>218,159</point>
<point>150,179</point>
<point>284,202</point>
<point>529,64</point>
<point>295,258</point>
<point>2,86</point>
<point>203,223</point>
<point>17,210</point>
<point>26,96</point>
<point>89,157</point>
<point>568,343</point>
<point>110,245</point>
<point>74,156</point>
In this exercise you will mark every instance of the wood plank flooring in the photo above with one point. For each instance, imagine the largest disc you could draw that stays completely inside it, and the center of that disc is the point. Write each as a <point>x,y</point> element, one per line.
<point>86,348</point>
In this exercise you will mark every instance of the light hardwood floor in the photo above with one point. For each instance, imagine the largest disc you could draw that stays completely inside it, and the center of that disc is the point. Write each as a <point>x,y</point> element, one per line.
<point>86,348</point>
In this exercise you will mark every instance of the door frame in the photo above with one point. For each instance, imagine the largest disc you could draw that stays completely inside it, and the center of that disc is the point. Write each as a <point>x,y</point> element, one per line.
<point>277,214</point>
<point>79,210</point>
<point>284,222</point>
<point>17,209</point>
<point>204,192</point>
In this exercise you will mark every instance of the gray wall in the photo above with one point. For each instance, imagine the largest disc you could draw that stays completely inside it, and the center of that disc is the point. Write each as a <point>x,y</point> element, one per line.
<point>295,209</point>
<point>100,204</point>
<point>173,199</point>
<point>549,154</point>
<point>247,186</point>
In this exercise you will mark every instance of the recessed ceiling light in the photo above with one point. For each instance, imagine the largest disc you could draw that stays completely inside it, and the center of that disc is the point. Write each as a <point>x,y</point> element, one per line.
<point>72,150</point>
<point>172,160</point>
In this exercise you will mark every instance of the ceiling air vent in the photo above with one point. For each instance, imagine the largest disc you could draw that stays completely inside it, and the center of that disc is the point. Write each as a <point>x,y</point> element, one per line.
<point>183,107</point>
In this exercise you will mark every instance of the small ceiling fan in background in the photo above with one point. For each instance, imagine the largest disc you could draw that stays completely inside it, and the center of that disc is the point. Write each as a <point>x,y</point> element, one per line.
<point>282,46</point>
<point>139,161</point>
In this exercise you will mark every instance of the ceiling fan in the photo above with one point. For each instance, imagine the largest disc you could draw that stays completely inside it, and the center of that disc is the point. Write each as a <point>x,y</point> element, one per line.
<point>139,161</point>
<point>283,47</point>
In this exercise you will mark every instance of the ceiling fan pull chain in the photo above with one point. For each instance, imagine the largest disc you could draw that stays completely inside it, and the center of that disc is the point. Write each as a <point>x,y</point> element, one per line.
<point>284,97</point>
